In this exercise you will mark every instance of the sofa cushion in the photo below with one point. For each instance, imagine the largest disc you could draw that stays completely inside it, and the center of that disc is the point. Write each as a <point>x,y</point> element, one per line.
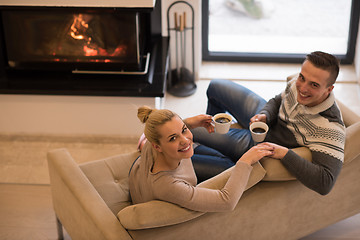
<point>275,170</point>
<point>141,216</point>
<point>110,179</point>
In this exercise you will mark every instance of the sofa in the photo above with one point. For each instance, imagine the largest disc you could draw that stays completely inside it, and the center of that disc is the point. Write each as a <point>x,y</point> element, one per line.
<point>92,200</point>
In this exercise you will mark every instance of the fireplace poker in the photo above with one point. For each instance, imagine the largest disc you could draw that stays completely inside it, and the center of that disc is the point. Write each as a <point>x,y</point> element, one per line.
<point>181,45</point>
<point>176,43</point>
<point>184,56</point>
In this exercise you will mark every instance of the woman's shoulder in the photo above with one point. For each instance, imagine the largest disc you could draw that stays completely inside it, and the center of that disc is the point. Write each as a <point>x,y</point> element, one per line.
<point>184,173</point>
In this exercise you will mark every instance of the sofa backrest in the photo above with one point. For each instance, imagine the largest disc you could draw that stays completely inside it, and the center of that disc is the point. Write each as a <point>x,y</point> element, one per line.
<point>110,179</point>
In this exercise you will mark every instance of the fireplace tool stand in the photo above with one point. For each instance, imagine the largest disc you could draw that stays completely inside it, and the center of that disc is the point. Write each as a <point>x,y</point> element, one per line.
<point>181,80</point>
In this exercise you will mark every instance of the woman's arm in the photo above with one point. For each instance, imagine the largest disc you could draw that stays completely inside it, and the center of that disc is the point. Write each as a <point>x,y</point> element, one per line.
<point>202,120</point>
<point>210,200</point>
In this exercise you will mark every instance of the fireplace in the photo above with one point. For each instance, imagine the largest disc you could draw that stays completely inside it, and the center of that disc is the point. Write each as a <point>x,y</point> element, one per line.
<point>82,51</point>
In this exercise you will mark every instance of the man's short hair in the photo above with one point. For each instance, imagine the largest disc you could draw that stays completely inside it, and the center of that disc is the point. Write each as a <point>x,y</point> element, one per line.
<point>326,62</point>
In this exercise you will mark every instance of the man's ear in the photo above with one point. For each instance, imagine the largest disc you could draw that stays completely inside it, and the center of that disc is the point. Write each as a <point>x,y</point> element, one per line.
<point>330,88</point>
<point>156,147</point>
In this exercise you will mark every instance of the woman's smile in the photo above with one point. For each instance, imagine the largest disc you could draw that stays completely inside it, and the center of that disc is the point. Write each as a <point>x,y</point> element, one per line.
<point>187,148</point>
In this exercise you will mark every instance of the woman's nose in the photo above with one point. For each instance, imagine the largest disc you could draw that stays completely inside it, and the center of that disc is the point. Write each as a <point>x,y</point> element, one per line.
<point>184,139</point>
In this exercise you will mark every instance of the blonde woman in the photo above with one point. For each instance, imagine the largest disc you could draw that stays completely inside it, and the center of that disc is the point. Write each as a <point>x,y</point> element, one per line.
<point>165,172</point>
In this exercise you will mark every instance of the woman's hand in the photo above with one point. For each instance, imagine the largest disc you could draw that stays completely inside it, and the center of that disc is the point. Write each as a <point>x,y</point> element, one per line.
<point>257,152</point>
<point>202,120</point>
<point>258,118</point>
<point>279,151</point>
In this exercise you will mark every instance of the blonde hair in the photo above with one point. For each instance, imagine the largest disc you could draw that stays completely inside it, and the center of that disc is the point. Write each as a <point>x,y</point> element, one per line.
<point>154,118</point>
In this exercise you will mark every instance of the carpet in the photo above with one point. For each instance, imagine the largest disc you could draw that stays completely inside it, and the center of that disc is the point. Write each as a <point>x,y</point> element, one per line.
<point>23,159</point>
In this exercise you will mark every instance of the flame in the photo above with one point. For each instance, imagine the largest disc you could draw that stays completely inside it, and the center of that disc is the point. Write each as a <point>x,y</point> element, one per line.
<point>78,27</point>
<point>84,43</point>
<point>89,51</point>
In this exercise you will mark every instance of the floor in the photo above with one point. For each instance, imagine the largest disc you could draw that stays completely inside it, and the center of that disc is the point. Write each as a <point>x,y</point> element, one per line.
<point>25,198</point>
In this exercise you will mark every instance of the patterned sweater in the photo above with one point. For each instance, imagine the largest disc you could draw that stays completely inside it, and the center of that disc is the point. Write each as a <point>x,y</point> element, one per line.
<point>320,128</point>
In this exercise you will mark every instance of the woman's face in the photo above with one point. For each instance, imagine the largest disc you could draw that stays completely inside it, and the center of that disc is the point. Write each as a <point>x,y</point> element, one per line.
<point>176,140</point>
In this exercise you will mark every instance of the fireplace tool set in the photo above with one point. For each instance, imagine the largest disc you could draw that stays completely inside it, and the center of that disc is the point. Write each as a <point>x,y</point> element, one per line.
<point>181,81</point>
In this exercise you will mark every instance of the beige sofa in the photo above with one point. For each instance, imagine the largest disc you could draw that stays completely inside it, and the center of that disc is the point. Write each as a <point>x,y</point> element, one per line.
<point>92,200</point>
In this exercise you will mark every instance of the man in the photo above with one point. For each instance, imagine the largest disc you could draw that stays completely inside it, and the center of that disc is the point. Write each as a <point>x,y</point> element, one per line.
<point>305,114</point>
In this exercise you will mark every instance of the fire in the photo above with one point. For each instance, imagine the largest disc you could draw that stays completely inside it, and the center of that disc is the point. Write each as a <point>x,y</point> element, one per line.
<point>79,32</point>
<point>79,27</point>
<point>88,51</point>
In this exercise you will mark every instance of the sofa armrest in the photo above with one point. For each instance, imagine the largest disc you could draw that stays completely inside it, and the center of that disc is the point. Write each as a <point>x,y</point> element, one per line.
<point>352,141</point>
<point>219,181</point>
<point>77,204</point>
<point>349,116</point>
<point>275,170</point>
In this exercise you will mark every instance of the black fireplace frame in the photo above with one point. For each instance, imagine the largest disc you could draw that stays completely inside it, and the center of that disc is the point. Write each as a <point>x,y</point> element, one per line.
<point>65,82</point>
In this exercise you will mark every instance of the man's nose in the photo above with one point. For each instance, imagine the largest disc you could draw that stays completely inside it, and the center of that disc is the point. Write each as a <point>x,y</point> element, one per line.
<point>303,87</point>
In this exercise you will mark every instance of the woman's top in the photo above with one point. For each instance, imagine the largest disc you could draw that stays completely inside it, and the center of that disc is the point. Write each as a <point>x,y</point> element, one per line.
<point>179,186</point>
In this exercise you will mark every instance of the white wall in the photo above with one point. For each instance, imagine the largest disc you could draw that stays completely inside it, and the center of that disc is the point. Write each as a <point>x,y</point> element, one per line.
<point>357,56</point>
<point>72,115</point>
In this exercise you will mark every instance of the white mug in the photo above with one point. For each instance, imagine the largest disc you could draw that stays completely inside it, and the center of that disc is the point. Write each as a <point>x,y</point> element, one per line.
<point>258,136</point>
<point>222,127</point>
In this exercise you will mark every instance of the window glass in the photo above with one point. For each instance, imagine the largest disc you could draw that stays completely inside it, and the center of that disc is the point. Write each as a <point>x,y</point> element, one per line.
<point>279,26</point>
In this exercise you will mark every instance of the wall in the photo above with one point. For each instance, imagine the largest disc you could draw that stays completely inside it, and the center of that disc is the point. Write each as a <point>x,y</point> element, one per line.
<point>71,115</point>
<point>357,56</point>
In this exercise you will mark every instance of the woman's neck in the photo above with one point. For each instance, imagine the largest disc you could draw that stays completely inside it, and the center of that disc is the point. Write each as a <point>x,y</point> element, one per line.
<point>161,163</point>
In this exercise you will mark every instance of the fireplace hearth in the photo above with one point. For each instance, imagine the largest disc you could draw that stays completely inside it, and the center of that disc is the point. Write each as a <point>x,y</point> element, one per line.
<point>82,51</point>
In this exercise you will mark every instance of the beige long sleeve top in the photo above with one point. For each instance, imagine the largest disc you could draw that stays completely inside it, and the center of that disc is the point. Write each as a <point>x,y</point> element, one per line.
<point>179,186</point>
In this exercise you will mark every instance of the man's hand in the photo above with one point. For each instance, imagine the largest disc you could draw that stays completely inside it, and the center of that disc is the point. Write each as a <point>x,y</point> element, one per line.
<point>202,120</point>
<point>258,118</point>
<point>279,151</point>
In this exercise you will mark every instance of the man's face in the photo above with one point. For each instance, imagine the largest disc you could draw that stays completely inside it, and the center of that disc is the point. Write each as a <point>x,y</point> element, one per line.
<point>312,85</point>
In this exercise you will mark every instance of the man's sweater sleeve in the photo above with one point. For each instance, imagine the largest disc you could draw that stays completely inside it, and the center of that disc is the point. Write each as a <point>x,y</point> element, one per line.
<point>319,175</point>
<point>271,109</point>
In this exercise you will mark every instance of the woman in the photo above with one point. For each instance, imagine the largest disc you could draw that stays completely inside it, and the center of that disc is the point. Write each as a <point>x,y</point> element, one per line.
<point>164,170</point>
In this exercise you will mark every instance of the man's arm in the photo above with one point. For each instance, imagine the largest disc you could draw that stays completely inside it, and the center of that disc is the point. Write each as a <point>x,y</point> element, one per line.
<point>319,175</point>
<point>271,109</point>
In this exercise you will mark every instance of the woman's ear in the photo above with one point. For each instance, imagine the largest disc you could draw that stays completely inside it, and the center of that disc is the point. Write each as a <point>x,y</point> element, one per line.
<point>156,147</point>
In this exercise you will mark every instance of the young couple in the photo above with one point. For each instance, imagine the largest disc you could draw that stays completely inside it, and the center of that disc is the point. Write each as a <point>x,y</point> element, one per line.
<point>304,114</point>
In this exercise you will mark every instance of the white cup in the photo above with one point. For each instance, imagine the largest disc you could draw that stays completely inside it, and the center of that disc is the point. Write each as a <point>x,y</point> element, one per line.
<point>221,126</point>
<point>260,132</point>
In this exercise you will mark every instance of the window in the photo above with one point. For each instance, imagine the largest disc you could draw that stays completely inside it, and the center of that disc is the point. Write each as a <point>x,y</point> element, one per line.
<point>278,30</point>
